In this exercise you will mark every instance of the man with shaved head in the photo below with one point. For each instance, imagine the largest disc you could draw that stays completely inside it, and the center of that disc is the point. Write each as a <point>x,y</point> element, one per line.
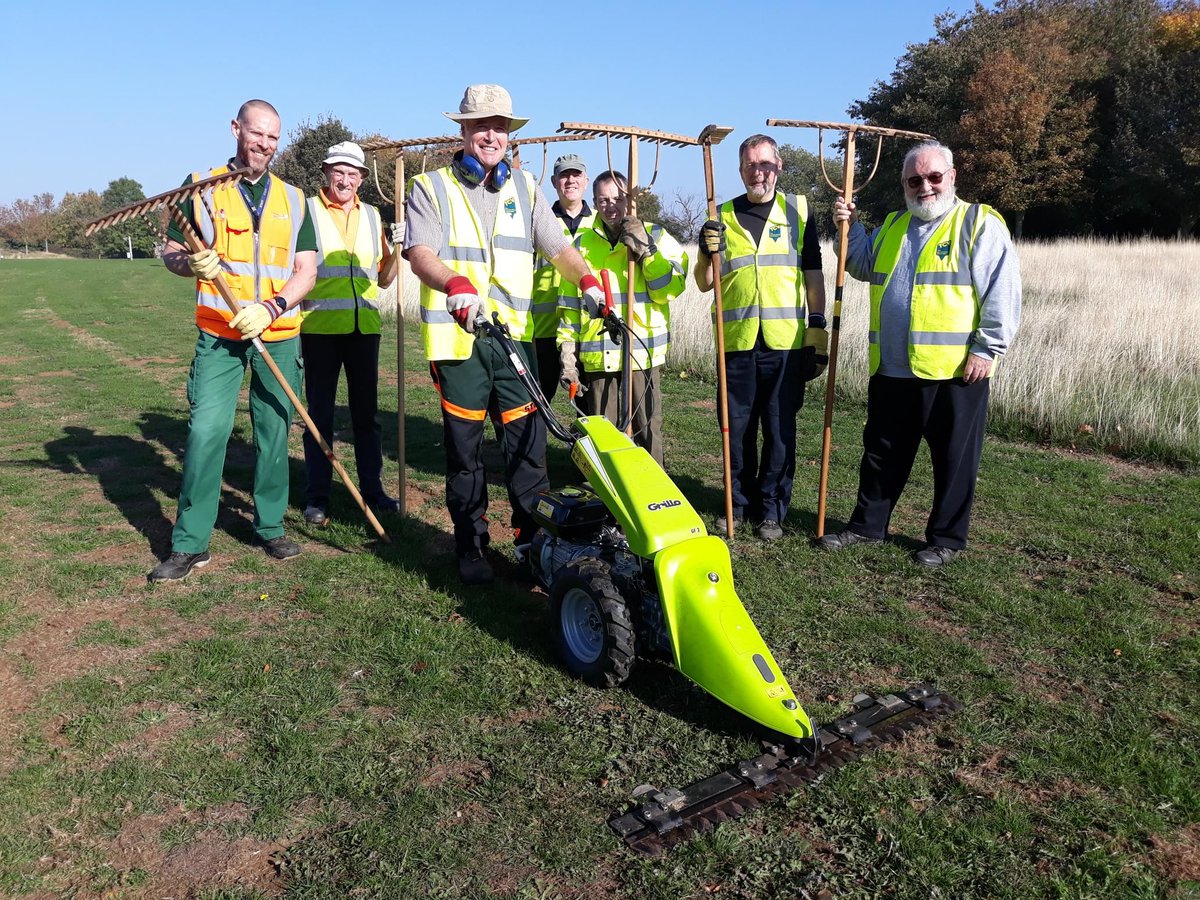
<point>260,240</point>
<point>945,304</point>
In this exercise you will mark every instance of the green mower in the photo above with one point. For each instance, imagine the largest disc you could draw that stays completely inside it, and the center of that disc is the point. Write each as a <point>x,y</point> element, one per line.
<point>632,572</point>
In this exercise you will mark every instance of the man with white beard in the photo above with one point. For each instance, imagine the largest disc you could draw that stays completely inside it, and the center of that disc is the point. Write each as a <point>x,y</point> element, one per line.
<point>945,304</point>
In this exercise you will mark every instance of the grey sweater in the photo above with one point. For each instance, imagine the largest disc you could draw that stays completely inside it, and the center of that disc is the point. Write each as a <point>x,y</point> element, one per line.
<point>995,274</point>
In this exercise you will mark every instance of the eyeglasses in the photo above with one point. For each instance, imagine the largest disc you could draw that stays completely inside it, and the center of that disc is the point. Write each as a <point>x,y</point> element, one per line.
<point>915,181</point>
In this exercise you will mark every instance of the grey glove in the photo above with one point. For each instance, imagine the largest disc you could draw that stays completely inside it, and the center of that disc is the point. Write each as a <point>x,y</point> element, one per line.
<point>569,368</point>
<point>712,238</point>
<point>636,240</point>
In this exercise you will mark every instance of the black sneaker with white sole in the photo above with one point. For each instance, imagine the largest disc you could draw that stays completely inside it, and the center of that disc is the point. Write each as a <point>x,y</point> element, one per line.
<point>177,566</point>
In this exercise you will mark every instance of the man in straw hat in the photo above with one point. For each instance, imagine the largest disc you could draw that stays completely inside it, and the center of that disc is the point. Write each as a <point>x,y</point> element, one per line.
<point>340,328</point>
<point>473,229</point>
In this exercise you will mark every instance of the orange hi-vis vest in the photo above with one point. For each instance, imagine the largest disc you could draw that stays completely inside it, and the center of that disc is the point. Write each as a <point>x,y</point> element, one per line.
<point>255,262</point>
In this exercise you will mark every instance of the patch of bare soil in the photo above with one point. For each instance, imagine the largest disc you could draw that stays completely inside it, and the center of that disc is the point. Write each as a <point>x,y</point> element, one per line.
<point>988,778</point>
<point>465,772</point>
<point>1177,858</point>
<point>209,859</point>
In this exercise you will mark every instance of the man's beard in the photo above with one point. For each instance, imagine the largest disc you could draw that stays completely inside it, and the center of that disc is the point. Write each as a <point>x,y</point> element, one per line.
<point>932,209</point>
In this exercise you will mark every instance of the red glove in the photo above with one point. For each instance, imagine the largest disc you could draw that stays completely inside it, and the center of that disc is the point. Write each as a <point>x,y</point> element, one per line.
<point>594,301</point>
<point>462,302</point>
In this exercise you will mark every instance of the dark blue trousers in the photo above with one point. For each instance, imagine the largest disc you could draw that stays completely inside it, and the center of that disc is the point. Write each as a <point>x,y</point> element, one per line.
<point>325,355</point>
<point>766,390</point>
<point>951,416</point>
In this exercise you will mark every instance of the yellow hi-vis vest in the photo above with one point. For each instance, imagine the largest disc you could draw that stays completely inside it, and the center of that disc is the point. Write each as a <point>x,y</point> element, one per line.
<point>500,265</point>
<point>763,285</point>
<point>657,281</point>
<point>346,290</point>
<point>256,264</point>
<point>547,285</point>
<point>945,304</point>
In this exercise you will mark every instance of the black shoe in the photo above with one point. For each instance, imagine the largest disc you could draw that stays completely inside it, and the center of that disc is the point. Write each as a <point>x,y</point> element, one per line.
<point>176,566</point>
<point>770,530</point>
<point>474,568</point>
<point>719,524</point>
<point>843,539</point>
<point>316,515</point>
<point>934,556</point>
<point>281,548</point>
<point>382,503</point>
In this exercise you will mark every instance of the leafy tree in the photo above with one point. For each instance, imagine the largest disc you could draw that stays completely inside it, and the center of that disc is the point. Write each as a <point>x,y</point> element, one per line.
<point>73,213</point>
<point>27,222</point>
<point>1025,136</point>
<point>114,241</point>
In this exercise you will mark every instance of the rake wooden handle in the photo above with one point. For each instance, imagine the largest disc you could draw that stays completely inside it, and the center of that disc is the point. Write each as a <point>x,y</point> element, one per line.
<point>196,245</point>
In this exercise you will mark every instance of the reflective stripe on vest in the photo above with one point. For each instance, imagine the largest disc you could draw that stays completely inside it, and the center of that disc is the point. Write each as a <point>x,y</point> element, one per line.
<point>256,263</point>
<point>500,265</point>
<point>762,286</point>
<point>547,283</point>
<point>651,321</point>
<point>945,304</point>
<point>346,289</point>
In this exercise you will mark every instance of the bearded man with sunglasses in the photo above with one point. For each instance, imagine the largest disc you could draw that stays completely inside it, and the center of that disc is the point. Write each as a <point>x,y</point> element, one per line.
<point>945,305</point>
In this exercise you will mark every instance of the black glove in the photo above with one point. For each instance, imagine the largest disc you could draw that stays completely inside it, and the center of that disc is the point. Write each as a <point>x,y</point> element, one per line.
<point>712,238</point>
<point>814,354</point>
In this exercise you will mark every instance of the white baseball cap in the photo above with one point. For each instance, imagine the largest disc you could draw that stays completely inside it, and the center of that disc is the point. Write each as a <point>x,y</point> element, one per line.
<point>346,152</point>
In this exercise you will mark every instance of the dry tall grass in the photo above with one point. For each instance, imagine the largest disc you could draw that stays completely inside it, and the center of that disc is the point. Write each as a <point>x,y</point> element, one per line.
<point>1108,352</point>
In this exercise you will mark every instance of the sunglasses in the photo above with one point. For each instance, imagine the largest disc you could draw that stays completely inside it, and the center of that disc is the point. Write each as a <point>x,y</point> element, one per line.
<point>914,181</point>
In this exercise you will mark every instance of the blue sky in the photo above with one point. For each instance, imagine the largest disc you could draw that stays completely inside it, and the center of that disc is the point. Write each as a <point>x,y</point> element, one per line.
<point>94,92</point>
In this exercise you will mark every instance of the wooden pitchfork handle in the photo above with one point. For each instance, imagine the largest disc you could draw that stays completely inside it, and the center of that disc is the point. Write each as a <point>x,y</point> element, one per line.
<point>722,384</point>
<point>195,244</point>
<point>401,448</point>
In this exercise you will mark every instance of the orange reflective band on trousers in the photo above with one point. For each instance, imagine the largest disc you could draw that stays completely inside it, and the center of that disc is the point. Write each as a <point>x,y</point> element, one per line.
<point>461,412</point>
<point>519,412</point>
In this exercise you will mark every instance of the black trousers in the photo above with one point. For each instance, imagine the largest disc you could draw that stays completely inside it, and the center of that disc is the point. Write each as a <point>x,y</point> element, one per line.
<point>951,416</point>
<point>473,389</point>
<point>545,353</point>
<point>325,355</point>
<point>766,390</point>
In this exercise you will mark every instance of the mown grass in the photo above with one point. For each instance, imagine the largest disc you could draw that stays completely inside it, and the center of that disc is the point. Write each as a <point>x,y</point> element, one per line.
<point>354,723</point>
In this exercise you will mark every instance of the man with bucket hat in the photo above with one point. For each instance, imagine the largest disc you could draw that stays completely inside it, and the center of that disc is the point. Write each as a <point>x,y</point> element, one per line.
<point>340,328</point>
<point>570,180</point>
<point>474,227</point>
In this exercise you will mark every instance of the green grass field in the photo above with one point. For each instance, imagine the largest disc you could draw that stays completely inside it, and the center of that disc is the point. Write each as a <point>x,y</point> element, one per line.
<point>353,723</point>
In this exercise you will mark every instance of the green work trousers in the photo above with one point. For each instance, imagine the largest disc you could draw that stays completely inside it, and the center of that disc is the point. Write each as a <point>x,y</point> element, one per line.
<point>214,385</point>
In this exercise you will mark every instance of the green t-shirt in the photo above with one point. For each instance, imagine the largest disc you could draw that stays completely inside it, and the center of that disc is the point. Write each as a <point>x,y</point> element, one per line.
<point>306,240</point>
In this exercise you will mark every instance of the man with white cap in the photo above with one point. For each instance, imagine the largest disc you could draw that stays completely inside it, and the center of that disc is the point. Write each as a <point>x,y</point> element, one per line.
<point>570,180</point>
<point>473,229</point>
<point>340,328</point>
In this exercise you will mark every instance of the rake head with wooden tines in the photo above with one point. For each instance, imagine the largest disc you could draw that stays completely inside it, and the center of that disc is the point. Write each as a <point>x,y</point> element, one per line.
<point>164,200</point>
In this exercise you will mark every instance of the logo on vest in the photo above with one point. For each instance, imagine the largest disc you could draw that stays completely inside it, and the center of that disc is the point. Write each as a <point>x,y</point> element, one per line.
<point>776,232</point>
<point>510,207</point>
<point>943,250</point>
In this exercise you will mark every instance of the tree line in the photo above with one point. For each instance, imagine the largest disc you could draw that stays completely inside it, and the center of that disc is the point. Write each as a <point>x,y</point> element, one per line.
<point>1071,117</point>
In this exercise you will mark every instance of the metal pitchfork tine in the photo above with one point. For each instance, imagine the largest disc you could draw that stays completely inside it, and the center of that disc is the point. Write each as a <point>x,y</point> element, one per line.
<point>847,191</point>
<point>171,200</point>
<point>591,129</point>
<point>374,145</point>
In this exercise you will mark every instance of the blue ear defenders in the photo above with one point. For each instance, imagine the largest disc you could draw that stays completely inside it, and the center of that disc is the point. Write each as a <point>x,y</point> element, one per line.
<point>470,169</point>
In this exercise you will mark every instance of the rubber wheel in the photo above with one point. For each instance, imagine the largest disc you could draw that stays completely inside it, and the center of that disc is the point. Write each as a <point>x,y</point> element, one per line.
<point>595,635</point>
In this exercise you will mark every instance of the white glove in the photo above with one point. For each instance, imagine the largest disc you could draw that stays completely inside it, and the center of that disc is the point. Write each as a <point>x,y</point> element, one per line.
<point>397,233</point>
<point>568,368</point>
<point>205,264</point>
<point>592,301</point>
